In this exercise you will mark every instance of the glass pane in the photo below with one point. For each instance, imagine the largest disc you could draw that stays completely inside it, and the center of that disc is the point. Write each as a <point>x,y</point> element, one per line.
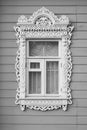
<point>52,77</point>
<point>34,65</point>
<point>35,48</point>
<point>34,82</point>
<point>51,48</point>
<point>43,48</point>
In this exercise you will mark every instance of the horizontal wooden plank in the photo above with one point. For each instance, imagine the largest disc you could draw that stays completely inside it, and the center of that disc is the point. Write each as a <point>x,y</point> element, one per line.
<point>8,43</point>
<point>79,43</point>
<point>8,85</point>
<point>75,94</point>
<point>31,9</point>
<point>78,86</point>
<point>8,60</point>
<point>7,93</point>
<point>82,127</point>
<point>37,2</point>
<point>79,94</point>
<point>82,120</point>
<point>12,51</point>
<point>79,77</point>
<point>38,127</point>
<point>7,102</point>
<point>79,69</point>
<point>12,77</point>
<point>13,85</point>
<point>7,26</point>
<point>81,2</point>
<point>80,35</point>
<point>8,77</point>
<point>12,19</point>
<point>72,111</point>
<point>7,35</point>
<point>81,18</point>
<point>79,51</point>
<point>13,111</point>
<point>8,51</point>
<point>11,68</point>
<point>81,9</point>
<point>52,120</point>
<point>9,18</point>
<point>82,26</point>
<point>79,60</point>
<point>38,120</point>
<point>12,43</point>
<point>7,68</point>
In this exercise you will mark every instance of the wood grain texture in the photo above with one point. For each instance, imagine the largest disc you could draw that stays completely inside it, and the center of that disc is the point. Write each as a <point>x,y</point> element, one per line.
<point>37,127</point>
<point>12,43</point>
<point>37,2</point>
<point>12,77</point>
<point>78,86</point>
<point>51,120</point>
<point>11,118</point>
<point>11,68</point>
<point>31,9</point>
<point>15,111</point>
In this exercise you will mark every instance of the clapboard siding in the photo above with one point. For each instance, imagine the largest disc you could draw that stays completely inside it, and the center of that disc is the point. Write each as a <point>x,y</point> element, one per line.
<point>11,68</point>
<point>11,118</point>
<point>11,43</point>
<point>31,9</point>
<point>12,51</point>
<point>13,85</point>
<point>11,60</point>
<point>4,77</point>
<point>11,94</point>
<point>5,111</point>
<point>37,127</point>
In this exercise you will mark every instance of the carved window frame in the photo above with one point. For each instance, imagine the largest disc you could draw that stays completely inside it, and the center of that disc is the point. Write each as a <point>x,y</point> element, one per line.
<point>43,24</point>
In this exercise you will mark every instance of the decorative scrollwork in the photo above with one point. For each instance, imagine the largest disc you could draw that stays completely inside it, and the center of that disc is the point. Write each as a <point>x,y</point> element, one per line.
<point>44,24</point>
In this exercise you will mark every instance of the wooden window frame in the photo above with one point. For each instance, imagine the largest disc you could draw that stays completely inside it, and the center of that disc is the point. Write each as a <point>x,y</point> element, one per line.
<point>43,69</point>
<point>43,24</point>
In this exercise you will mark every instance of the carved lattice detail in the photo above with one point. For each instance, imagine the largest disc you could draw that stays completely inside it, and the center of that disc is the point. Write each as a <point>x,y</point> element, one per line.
<point>44,24</point>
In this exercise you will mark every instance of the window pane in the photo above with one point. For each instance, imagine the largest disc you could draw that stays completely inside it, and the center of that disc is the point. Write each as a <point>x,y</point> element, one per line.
<point>43,48</point>
<point>35,48</point>
<point>52,77</point>
<point>34,82</point>
<point>34,65</point>
<point>51,48</point>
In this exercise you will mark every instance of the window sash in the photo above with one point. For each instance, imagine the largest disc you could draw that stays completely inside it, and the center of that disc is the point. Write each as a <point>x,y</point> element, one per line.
<point>42,69</point>
<point>59,49</point>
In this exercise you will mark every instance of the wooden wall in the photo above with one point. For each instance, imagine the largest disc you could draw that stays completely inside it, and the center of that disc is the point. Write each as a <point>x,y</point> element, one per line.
<point>11,117</point>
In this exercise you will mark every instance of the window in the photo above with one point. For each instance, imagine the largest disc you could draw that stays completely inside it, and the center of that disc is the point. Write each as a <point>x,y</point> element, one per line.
<point>43,62</point>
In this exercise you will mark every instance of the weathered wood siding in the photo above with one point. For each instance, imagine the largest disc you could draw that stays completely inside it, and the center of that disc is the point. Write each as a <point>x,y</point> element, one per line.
<point>11,117</point>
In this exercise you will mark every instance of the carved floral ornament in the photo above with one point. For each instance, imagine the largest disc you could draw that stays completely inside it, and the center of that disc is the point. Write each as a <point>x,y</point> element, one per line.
<point>43,24</point>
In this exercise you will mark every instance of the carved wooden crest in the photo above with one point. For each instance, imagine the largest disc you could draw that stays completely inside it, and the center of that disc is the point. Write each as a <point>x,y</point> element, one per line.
<point>44,24</point>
